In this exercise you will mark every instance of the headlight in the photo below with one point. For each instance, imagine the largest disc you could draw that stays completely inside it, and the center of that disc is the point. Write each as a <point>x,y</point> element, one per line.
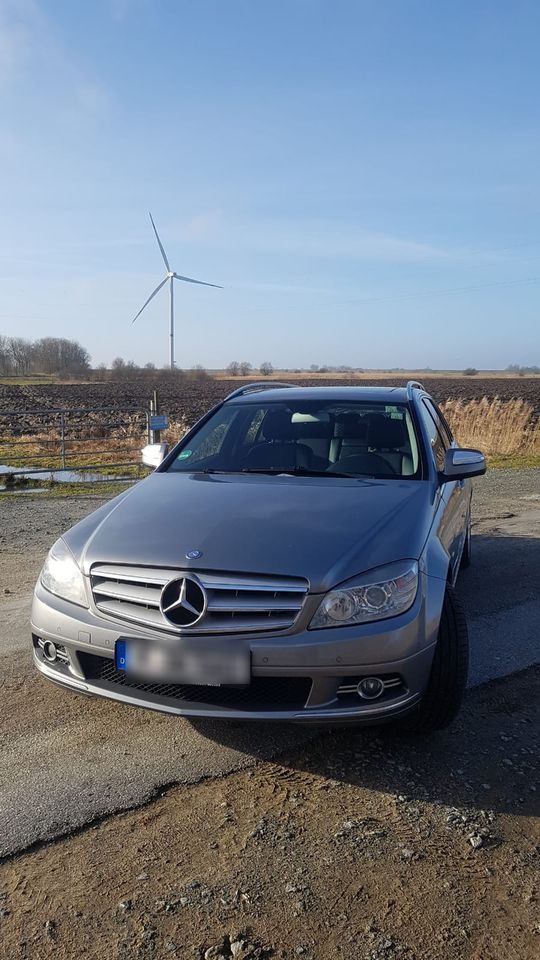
<point>61,575</point>
<point>377,595</point>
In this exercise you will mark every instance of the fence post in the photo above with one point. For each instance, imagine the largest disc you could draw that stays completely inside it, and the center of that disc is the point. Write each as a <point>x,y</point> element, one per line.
<point>62,438</point>
<point>155,405</point>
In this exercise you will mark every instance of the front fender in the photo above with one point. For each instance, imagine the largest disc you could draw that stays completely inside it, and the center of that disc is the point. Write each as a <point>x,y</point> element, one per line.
<point>436,565</point>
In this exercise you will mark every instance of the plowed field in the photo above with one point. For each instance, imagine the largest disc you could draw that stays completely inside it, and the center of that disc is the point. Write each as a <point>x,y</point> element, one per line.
<point>190,399</point>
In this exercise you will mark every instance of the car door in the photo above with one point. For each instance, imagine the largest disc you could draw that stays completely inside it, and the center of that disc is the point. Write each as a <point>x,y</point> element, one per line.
<point>448,509</point>
<point>456,493</point>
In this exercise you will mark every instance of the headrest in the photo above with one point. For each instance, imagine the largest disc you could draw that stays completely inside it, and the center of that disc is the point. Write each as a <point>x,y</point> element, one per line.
<point>353,429</point>
<point>277,425</point>
<point>313,429</point>
<point>384,432</point>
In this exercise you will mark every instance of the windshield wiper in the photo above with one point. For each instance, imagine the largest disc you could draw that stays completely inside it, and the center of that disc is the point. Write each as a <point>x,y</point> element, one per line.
<point>306,472</point>
<point>269,470</point>
<point>213,470</point>
<point>275,472</point>
<point>296,471</point>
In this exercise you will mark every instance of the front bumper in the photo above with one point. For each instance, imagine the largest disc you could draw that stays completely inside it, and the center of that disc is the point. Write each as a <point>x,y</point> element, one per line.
<point>307,676</point>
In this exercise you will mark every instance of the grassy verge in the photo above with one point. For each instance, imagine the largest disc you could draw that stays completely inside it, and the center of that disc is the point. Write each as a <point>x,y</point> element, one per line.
<point>513,461</point>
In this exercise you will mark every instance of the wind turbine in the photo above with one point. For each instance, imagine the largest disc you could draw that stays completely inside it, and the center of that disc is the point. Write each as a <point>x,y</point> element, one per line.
<point>170,277</point>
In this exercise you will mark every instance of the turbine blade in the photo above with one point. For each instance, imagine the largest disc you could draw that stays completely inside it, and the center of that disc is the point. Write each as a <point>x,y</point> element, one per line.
<point>203,283</point>
<point>163,254</point>
<point>151,297</point>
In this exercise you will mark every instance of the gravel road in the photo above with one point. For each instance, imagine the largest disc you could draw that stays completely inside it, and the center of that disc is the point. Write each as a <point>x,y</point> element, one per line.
<point>66,760</point>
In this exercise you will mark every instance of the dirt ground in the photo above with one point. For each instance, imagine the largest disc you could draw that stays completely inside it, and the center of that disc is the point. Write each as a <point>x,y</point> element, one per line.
<point>361,845</point>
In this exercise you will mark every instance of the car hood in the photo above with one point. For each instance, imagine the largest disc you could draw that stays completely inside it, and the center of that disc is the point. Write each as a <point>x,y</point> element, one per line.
<point>325,530</point>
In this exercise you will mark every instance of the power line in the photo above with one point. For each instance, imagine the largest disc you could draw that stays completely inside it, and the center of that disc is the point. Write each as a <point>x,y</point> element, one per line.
<point>448,290</point>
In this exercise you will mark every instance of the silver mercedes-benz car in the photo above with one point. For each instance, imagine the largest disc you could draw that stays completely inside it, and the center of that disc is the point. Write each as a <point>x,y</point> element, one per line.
<point>293,558</point>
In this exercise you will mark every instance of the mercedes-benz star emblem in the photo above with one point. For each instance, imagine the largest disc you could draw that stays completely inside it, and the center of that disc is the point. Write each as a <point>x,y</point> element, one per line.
<point>183,601</point>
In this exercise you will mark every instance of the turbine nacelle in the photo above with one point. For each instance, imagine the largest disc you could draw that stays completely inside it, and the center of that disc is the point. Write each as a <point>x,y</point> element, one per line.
<point>170,277</point>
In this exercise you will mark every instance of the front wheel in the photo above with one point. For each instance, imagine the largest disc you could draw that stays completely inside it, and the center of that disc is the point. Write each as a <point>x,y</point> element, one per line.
<point>448,677</point>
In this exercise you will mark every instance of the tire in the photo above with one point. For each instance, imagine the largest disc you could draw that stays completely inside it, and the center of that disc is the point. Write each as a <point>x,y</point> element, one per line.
<point>466,556</point>
<point>448,677</point>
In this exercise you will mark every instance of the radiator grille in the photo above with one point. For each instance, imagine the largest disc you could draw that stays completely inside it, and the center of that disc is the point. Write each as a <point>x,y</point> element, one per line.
<point>236,603</point>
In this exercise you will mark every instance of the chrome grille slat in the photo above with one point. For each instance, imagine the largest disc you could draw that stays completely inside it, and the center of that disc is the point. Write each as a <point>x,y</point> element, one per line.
<point>135,614</point>
<point>236,604</point>
<point>242,605</point>
<point>122,590</point>
<point>161,575</point>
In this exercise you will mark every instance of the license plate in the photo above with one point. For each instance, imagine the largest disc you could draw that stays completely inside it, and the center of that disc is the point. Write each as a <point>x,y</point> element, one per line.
<point>203,662</point>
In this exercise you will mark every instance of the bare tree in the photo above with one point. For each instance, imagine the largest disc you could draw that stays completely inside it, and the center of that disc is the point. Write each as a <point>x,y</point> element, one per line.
<point>5,356</point>
<point>234,368</point>
<point>58,355</point>
<point>21,352</point>
<point>266,368</point>
<point>244,368</point>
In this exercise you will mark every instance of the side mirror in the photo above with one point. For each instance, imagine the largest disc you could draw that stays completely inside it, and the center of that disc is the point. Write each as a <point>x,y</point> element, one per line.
<point>154,454</point>
<point>461,463</point>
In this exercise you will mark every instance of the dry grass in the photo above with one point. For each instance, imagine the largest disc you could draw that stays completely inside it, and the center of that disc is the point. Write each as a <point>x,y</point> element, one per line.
<point>495,426</point>
<point>176,430</point>
<point>98,445</point>
<point>398,376</point>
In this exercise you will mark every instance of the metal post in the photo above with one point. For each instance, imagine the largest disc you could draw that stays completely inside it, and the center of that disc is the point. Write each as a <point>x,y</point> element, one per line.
<point>172,325</point>
<point>62,439</point>
<point>150,429</point>
<point>155,407</point>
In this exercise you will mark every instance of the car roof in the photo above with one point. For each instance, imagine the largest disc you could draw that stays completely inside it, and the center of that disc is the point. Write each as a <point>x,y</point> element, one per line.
<point>348,394</point>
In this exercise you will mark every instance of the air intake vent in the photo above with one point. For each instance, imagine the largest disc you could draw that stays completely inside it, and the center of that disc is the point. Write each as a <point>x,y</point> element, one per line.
<point>272,693</point>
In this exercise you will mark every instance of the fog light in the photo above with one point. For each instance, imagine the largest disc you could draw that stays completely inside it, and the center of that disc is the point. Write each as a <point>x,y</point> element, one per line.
<point>370,688</point>
<point>49,651</point>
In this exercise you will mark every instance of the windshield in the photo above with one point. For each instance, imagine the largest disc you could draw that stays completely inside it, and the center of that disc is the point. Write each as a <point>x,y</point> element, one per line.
<point>329,438</point>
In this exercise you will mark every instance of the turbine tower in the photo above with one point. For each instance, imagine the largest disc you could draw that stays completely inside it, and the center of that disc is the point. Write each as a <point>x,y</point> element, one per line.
<point>170,277</point>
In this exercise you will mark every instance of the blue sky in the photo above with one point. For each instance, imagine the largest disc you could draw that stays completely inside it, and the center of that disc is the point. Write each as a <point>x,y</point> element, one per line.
<point>362,176</point>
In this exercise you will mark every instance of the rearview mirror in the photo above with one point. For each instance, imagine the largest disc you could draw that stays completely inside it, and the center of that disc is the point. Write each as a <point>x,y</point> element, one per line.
<point>460,463</point>
<point>154,454</point>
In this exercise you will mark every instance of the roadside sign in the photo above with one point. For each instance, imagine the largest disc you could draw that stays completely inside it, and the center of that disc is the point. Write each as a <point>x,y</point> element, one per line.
<point>158,422</point>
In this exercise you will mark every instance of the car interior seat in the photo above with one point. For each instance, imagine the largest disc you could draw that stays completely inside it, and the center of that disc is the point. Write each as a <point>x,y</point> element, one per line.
<point>388,437</point>
<point>350,437</point>
<point>317,435</point>
<point>279,450</point>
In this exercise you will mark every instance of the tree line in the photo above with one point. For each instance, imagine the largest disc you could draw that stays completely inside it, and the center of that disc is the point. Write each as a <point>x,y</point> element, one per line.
<point>50,355</point>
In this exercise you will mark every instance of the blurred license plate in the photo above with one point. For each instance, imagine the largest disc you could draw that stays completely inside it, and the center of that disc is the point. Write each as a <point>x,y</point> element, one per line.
<point>201,662</point>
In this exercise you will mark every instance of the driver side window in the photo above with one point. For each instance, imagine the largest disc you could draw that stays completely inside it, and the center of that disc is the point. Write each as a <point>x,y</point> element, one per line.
<point>439,441</point>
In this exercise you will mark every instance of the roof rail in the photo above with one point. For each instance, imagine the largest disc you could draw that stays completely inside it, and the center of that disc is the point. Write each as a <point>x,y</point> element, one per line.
<point>256,387</point>
<point>414,385</point>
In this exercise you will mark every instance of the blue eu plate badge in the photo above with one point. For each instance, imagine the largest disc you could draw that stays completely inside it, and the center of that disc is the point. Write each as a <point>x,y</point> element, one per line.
<point>120,655</point>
